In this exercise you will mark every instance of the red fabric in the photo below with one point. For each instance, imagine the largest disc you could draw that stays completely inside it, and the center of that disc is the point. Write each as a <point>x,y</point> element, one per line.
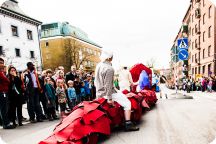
<point>136,109</point>
<point>4,83</point>
<point>144,104</point>
<point>149,96</point>
<point>136,71</point>
<point>84,121</point>
<point>125,92</point>
<point>89,119</point>
<point>116,112</point>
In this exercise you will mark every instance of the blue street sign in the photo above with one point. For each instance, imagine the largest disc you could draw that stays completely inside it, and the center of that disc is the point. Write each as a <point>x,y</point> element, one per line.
<point>183,55</point>
<point>183,43</point>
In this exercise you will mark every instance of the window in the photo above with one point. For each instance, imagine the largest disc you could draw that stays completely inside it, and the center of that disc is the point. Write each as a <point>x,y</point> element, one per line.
<point>195,70</point>
<point>192,45</point>
<point>199,40</point>
<point>192,70</point>
<point>199,55</point>
<point>14,31</point>
<point>209,69</point>
<point>203,36</point>
<point>29,35</point>
<point>203,3</point>
<point>210,11</point>
<point>209,32</point>
<point>203,69</point>
<point>17,51</point>
<point>196,28</point>
<point>192,58</point>
<point>204,19</point>
<point>192,32</point>
<point>203,53</point>
<point>199,70</point>
<point>47,44</point>
<point>1,50</point>
<point>209,51</point>
<point>195,56</point>
<point>195,43</point>
<point>32,54</point>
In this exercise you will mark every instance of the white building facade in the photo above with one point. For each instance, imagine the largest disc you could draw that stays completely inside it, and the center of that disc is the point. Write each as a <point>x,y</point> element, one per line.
<point>19,37</point>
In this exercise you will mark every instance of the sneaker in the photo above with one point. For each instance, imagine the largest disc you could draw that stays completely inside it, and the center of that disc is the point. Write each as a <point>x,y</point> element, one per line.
<point>20,124</point>
<point>33,121</point>
<point>24,119</point>
<point>44,117</point>
<point>39,120</point>
<point>129,126</point>
<point>9,126</point>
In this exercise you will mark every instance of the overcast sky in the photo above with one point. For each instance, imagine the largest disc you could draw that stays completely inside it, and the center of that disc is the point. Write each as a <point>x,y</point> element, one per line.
<point>136,30</point>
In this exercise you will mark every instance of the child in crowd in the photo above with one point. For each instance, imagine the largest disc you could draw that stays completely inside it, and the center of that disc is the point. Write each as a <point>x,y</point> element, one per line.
<point>77,87</point>
<point>88,87</point>
<point>62,99</point>
<point>50,95</point>
<point>71,94</point>
<point>82,92</point>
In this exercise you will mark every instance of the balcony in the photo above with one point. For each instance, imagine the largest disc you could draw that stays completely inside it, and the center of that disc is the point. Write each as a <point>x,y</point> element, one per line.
<point>198,13</point>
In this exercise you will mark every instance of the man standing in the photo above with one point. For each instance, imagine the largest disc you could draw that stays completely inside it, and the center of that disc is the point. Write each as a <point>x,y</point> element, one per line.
<point>33,89</point>
<point>4,85</point>
<point>104,88</point>
<point>71,75</point>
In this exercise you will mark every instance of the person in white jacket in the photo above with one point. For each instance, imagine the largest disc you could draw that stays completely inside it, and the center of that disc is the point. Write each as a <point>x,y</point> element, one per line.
<point>125,79</point>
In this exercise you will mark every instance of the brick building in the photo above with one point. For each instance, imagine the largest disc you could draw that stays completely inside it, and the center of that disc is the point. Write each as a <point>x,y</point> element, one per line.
<point>199,26</point>
<point>64,45</point>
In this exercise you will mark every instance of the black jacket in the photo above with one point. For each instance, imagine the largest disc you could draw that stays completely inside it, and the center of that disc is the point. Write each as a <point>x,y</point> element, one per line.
<point>70,76</point>
<point>15,93</point>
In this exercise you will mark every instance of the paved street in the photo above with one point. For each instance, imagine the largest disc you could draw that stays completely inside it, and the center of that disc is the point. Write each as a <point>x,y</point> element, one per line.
<point>172,121</point>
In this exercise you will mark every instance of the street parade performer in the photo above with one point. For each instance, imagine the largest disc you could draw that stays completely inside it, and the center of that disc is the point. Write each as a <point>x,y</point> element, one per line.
<point>104,88</point>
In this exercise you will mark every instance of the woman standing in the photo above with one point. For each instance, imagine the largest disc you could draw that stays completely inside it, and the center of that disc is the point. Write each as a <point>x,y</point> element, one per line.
<point>16,98</point>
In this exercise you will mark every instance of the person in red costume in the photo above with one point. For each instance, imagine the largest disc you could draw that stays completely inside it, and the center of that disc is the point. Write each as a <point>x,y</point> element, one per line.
<point>104,88</point>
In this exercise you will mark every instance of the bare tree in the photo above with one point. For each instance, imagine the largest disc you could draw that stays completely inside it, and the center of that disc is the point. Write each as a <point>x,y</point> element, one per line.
<point>75,53</point>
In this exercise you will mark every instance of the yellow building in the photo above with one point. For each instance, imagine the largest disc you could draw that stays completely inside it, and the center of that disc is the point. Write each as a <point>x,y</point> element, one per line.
<point>65,45</point>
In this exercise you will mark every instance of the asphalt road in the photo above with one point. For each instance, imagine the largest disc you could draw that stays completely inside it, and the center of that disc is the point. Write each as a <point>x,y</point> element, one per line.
<point>172,121</point>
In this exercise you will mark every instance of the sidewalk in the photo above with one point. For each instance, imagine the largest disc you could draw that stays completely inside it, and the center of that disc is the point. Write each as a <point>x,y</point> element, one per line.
<point>200,94</point>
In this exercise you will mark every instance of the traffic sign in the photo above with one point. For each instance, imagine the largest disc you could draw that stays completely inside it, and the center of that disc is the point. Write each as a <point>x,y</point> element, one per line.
<point>183,55</point>
<point>183,43</point>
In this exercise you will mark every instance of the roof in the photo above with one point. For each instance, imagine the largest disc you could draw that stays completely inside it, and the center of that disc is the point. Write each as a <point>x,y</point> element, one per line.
<point>79,34</point>
<point>11,8</point>
<point>12,5</point>
<point>65,29</point>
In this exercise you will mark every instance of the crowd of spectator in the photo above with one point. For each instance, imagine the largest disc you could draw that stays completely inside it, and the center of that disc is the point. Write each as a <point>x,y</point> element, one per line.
<point>204,84</point>
<point>49,95</point>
